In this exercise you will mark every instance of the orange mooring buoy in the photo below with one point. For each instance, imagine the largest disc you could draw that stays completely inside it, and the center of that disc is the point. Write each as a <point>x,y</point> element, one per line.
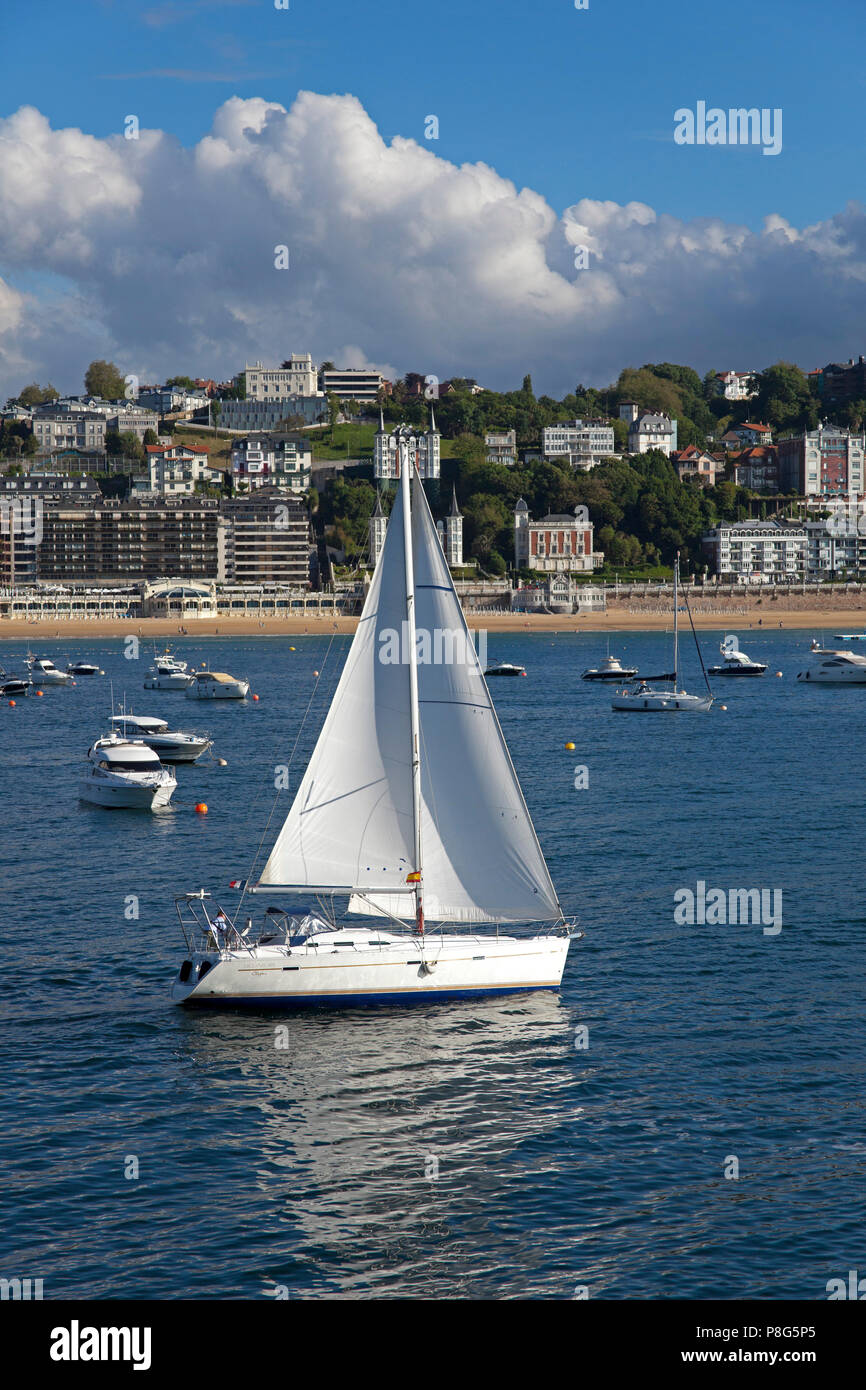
<point>201,807</point>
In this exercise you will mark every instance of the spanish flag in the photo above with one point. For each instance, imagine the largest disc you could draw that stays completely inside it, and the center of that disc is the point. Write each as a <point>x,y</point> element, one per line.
<point>413,877</point>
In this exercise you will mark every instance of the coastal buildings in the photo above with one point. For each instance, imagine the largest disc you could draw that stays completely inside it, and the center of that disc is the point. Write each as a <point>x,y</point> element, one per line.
<point>772,552</point>
<point>177,470</point>
<point>268,538</point>
<point>734,386</point>
<point>451,534</point>
<point>272,415</point>
<point>841,382</point>
<point>652,430</point>
<point>757,469</point>
<point>424,449</point>
<point>280,460</point>
<point>352,384</point>
<point>297,377</point>
<point>501,447</point>
<point>824,462</point>
<point>585,442</point>
<point>70,429</point>
<point>692,462</point>
<point>751,434</point>
<point>556,543</point>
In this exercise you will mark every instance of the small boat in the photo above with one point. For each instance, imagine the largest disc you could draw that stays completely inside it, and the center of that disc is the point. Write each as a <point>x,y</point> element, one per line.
<point>410,809</point>
<point>645,700</point>
<point>125,774</point>
<point>14,686</point>
<point>216,685</point>
<point>43,672</point>
<point>611,669</point>
<point>849,636</point>
<point>736,663</point>
<point>83,668</point>
<point>505,668</point>
<point>835,667</point>
<point>170,746</point>
<point>167,673</point>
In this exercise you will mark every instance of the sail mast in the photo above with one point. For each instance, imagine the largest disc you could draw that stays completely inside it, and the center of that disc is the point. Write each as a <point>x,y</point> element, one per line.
<point>403,455</point>
<point>676,627</point>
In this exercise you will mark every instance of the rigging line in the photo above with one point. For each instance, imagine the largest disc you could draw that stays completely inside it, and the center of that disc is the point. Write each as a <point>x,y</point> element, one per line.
<point>258,850</point>
<point>697,643</point>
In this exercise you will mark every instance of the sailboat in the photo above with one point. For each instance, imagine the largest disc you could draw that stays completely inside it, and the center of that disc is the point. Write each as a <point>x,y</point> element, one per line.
<point>645,700</point>
<point>410,808</point>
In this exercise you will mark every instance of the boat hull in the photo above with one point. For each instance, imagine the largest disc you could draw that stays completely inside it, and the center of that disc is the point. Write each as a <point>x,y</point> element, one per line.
<point>659,703</point>
<point>228,690</point>
<point>737,671</point>
<point>170,752</point>
<point>176,681</point>
<point>453,968</point>
<point>127,798</point>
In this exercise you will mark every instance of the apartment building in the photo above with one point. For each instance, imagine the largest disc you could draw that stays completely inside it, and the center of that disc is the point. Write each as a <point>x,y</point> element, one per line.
<point>501,447</point>
<point>279,460</point>
<point>352,384</point>
<point>268,538</point>
<point>139,538</point>
<point>825,462</point>
<point>297,378</point>
<point>177,469</point>
<point>70,429</point>
<point>584,442</point>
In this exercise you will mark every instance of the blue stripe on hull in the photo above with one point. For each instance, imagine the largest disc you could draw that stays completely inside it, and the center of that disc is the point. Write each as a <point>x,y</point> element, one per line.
<point>351,1001</point>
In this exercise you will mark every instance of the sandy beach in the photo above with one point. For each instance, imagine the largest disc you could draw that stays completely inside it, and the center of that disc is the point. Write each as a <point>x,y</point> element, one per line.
<point>735,617</point>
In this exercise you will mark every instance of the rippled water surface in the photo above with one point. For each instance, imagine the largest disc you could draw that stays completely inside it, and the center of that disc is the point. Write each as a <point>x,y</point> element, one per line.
<point>314,1167</point>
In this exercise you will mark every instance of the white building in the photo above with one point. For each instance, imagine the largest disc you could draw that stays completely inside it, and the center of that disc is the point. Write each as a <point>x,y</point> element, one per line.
<point>70,429</point>
<point>451,534</point>
<point>760,552</point>
<point>424,449</point>
<point>651,430</point>
<point>278,460</point>
<point>585,442</point>
<point>501,446</point>
<point>175,469</point>
<point>352,384</point>
<point>378,525</point>
<point>263,383</point>
<point>734,386</point>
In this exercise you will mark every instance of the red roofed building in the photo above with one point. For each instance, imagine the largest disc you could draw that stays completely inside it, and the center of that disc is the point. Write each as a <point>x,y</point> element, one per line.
<point>758,468</point>
<point>692,462</point>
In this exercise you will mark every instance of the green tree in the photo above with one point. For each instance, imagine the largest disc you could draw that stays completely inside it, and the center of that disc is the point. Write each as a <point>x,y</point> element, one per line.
<point>150,437</point>
<point>184,383</point>
<point>785,400</point>
<point>104,379</point>
<point>34,394</point>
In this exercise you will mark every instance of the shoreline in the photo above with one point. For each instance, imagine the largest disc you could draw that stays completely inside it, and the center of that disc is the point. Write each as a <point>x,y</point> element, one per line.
<point>769,619</point>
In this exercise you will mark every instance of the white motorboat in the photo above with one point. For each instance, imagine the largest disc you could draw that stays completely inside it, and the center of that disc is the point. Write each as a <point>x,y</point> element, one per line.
<point>216,685</point>
<point>736,663</point>
<point>13,687</point>
<point>645,700</point>
<point>411,810</point>
<point>611,669</point>
<point>171,746</point>
<point>505,668</point>
<point>43,673</point>
<point>83,668</point>
<point>167,673</point>
<point>834,667</point>
<point>127,775</point>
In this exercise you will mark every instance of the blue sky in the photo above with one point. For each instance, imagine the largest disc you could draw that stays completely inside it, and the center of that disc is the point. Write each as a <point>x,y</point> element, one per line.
<point>571,103</point>
<point>412,260</point>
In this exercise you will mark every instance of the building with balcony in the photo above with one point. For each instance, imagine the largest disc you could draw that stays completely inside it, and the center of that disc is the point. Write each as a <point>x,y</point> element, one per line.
<point>555,544</point>
<point>424,450</point>
<point>178,469</point>
<point>297,378</point>
<point>584,442</point>
<point>652,430</point>
<point>825,462</point>
<point>501,447</point>
<point>272,460</point>
<point>268,538</point>
<point>352,384</point>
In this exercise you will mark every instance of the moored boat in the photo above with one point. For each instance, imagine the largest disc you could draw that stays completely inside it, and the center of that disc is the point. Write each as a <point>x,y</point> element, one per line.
<point>216,685</point>
<point>125,774</point>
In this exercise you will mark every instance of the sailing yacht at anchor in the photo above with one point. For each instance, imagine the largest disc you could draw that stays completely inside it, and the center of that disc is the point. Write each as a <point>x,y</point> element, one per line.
<point>410,808</point>
<point>645,700</point>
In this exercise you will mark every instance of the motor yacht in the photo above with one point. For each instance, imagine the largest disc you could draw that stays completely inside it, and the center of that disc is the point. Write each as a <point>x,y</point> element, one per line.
<point>167,673</point>
<point>216,685</point>
<point>14,686</point>
<point>83,668</point>
<point>171,746</point>
<point>126,774</point>
<point>43,673</point>
<point>832,667</point>
<point>611,669</point>
<point>736,663</point>
<point>505,668</point>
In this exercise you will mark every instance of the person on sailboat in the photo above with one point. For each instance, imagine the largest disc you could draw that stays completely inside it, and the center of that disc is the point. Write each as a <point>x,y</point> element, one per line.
<point>220,927</point>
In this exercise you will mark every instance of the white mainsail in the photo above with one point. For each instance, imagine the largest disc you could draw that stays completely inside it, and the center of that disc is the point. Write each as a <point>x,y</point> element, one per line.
<point>351,826</point>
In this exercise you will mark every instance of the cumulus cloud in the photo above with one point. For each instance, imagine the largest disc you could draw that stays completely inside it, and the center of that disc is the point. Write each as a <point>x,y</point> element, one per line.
<point>162,257</point>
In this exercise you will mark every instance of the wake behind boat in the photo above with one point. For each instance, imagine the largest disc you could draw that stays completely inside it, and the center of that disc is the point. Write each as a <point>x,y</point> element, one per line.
<point>410,809</point>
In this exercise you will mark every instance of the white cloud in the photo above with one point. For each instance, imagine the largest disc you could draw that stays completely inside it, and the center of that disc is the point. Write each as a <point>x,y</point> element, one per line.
<point>167,260</point>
